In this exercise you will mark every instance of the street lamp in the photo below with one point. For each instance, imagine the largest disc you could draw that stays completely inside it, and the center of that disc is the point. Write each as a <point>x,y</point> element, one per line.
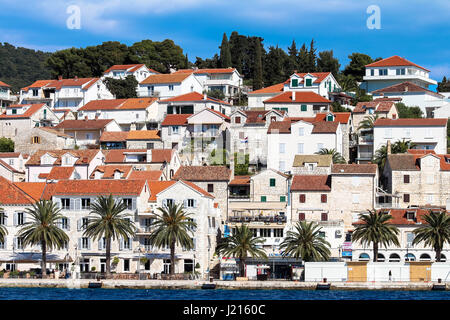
<point>138,248</point>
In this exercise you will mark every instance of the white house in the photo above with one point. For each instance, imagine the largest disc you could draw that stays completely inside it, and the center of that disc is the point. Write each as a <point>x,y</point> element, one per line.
<point>130,114</point>
<point>169,85</point>
<point>5,95</point>
<point>139,71</point>
<point>429,134</point>
<point>298,103</point>
<point>65,93</point>
<point>288,138</point>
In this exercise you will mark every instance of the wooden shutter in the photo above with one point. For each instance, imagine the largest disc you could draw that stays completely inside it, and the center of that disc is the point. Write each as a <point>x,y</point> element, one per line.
<point>324,216</point>
<point>406,178</point>
<point>323,198</point>
<point>15,219</point>
<point>68,224</point>
<point>301,216</point>
<point>406,197</point>
<point>302,198</point>
<point>133,203</point>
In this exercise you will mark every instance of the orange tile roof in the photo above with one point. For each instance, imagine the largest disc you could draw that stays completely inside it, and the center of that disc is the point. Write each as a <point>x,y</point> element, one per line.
<point>37,84</point>
<point>216,70</point>
<point>33,189</point>
<point>143,135</point>
<point>99,187</point>
<point>176,120</point>
<point>33,108</point>
<point>354,168</point>
<point>118,155</point>
<point>150,175</point>
<point>158,186</point>
<point>114,136</point>
<point>2,84</point>
<point>240,180</point>
<point>109,104</point>
<point>405,87</point>
<point>109,170</point>
<point>341,117</point>
<point>12,195</point>
<point>319,75</point>
<point>193,96</point>
<point>325,127</point>
<point>300,97</point>
<point>127,67</point>
<point>60,173</point>
<point>411,122</point>
<point>165,78</point>
<point>276,88</point>
<point>377,105</point>
<point>84,156</point>
<point>319,126</point>
<point>311,183</point>
<point>84,124</point>
<point>203,173</point>
<point>197,188</point>
<point>137,103</point>
<point>393,62</point>
<point>399,216</point>
<point>9,154</point>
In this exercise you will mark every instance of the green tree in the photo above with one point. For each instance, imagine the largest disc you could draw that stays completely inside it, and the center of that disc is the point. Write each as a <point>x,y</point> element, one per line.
<point>306,242</point>
<point>225,53</point>
<point>276,60</point>
<point>444,85</point>
<point>258,68</point>
<point>347,82</point>
<point>3,230</point>
<point>216,93</point>
<point>219,157</point>
<point>356,66</point>
<point>337,107</point>
<point>241,163</point>
<point>337,157</point>
<point>207,63</point>
<point>376,229</point>
<point>312,57</point>
<point>109,222</point>
<point>293,58</point>
<point>368,122</point>
<point>408,112</point>
<point>43,229</point>
<point>122,88</point>
<point>6,145</point>
<point>173,226</point>
<point>435,232</point>
<point>328,63</point>
<point>303,59</point>
<point>241,245</point>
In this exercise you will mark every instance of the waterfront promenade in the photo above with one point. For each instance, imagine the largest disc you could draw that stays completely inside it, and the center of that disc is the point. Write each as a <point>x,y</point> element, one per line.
<point>197,284</point>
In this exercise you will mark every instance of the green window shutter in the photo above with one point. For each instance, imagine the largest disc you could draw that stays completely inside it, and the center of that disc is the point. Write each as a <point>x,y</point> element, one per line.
<point>263,198</point>
<point>303,107</point>
<point>308,82</point>
<point>295,82</point>
<point>330,118</point>
<point>282,198</point>
<point>272,182</point>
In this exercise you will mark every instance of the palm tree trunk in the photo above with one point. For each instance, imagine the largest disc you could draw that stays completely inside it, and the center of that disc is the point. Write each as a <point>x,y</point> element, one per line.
<point>172,258</point>
<point>44,259</point>
<point>108,257</point>
<point>242,267</point>
<point>375,252</point>
<point>438,254</point>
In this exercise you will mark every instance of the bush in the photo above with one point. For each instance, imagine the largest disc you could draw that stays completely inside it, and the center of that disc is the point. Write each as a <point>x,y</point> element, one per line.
<point>6,145</point>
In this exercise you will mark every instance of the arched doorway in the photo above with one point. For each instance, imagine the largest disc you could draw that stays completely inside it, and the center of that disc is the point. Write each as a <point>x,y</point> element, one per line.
<point>364,257</point>
<point>394,258</point>
<point>424,257</point>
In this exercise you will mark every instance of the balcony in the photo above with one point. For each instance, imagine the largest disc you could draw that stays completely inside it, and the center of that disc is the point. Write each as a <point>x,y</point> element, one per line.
<point>266,219</point>
<point>239,197</point>
<point>145,230</point>
<point>367,139</point>
<point>365,155</point>
<point>331,223</point>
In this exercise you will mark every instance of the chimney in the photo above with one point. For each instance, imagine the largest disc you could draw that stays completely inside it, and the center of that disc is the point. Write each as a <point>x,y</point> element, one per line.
<point>204,96</point>
<point>388,147</point>
<point>293,95</point>
<point>85,118</point>
<point>96,117</point>
<point>406,88</point>
<point>76,78</point>
<point>59,78</point>
<point>295,71</point>
<point>149,155</point>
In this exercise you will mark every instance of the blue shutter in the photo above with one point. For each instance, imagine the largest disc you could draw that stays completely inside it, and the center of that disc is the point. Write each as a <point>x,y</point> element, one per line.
<point>79,224</point>
<point>89,244</point>
<point>79,243</point>
<point>133,204</point>
<point>68,224</point>
<point>15,219</point>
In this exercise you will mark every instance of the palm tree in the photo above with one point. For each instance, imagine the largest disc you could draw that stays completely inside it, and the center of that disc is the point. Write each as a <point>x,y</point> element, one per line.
<point>43,229</point>
<point>173,226</point>
<point>306,243</point>
<point>368,122</point>
<point>3,231</point>
<point>376,229</point>
<point>240,245</point>
<point>380,155</point>
<point>435,233</point>
<point>337,157</point>
<point>109,222</point>
<point>402,146</point>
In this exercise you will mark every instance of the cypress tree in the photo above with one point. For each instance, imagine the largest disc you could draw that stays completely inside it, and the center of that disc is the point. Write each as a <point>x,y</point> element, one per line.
<point>312,58</point>
<point>258,69</point>
<point>225,53</point>
<point>293,58</point>
<point>303,59</point>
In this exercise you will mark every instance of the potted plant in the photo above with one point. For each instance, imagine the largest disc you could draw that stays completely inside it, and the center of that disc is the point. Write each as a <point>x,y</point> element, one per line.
<point>144,260</point>
<point>14,274</point>
<point>115,261</point>
<point>93,269</point>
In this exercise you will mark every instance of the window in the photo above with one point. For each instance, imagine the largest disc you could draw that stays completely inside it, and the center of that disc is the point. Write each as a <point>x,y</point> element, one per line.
<point>301,132</point>
<point>324,216</point>
<point>36,140</point>
<point>190,203</point>
<point>65,203</point>
<point>372,72</point>
<point>19,243</point>
<point>323,198</point>
<point>282,148</point>
<point>14,111</point>
<point>210,187</point>
<point>303,107</point>
<point>35,92</point>
<point>3,218</point>
<point>302,198</point>
<point>294,82</point>
<point>355,198</point>
<point>188,265</point>
<point>282,198</point>
<point>272,182</point>
<point>20,219</point>
<point>150,145</point>
<point>126,265</point>
<point>300,148</point>
<point>319,146</point>
<point>383,72</point>
<point>88,136</point>
<point>278,233</point>
<point>406,178</point>
<point>308,82</point>
<point>85,243</point>
<point>128,202</point>
<point>86,203</point>
<point>322,234</point>
<point>301,216</point>
<point>263,198</point>
<point>237,120</point>
<point>65,223</point>
<point>175,129</point>
<point>266,233</point>
<point>170,87</point>
<point>282,165</point>
<point>406,197</point>
<point>400,72</point>
<point>410,215</point>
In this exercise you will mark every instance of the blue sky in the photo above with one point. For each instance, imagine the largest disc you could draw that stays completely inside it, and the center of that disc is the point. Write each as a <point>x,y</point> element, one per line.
<point>415,29</point>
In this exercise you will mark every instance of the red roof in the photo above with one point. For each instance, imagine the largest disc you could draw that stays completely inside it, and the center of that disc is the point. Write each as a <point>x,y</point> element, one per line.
<point>300,97</point>
<point>33,108</point>
<point>193,96</point>
<point>84,124</point>
<point>158,186</point>
<point>119,104</point>
<point>276,88</point>
<point>377,105</point>
<point>99,187</point>
<point>109,170</point>
<point>399,216</point>
<point>176,120</point>
<point>413,122</point>
<point>127,67</point>
<point>118,155</point>
<point>165,78</point>
<point>12,195</point>
<point>393,62</point>
<point>2,84</point>
<point>85,83</point>
<point>319,75</point>
<point>150,175</point>
<point>341,117</point>
<point>60,173</point>
<point>311,183</point>
<point>84,156</point>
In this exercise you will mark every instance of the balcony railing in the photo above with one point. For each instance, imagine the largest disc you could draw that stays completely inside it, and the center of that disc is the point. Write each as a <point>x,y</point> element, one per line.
<point>365,155</point>
<point>265,219</point>
<point>366,139</point>
<point>239,196</point>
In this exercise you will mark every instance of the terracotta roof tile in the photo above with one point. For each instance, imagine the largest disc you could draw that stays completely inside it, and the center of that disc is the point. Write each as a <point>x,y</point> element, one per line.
<point>300,97</point>
<point>60,173</point>
<point>109,170</point>
<point>240,180</point>
<point>203,173</point>
<point>176,120</point>
<point>354,168</point>
<point>9,154</point>
<point>84,156</point>
<point>342,117</point>
<point>118,155</point>
<point>126,67</point>
<point>378,106</point>
<point>33,108</point>
<point>12,195</point>
<point>276,88</point>
<point>84,124</point>
<point>394,61</point>
<point>150,175</point>
<point>33,189</point>
<point>399,216</point>
<point>2,84</point>
<point>325,127</point>
<point>319,75</point>
<point>99,187</point>
<point>165,78</point>
<point>114,136</point>
<point>158,186</point>
<point>420,122</point>
<point>193,96</point>
<point>311,183</point>
<point>143,135</point>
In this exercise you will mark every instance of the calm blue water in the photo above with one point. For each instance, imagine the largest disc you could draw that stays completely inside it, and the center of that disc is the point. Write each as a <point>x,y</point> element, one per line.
<point>142,294</point>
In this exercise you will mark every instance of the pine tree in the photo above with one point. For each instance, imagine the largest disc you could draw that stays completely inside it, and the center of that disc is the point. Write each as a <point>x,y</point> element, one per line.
<point>293,58</point>
<point>258,69</point>
<point>303,59</point>
<point>225,53</point>
<point>312,58</point>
